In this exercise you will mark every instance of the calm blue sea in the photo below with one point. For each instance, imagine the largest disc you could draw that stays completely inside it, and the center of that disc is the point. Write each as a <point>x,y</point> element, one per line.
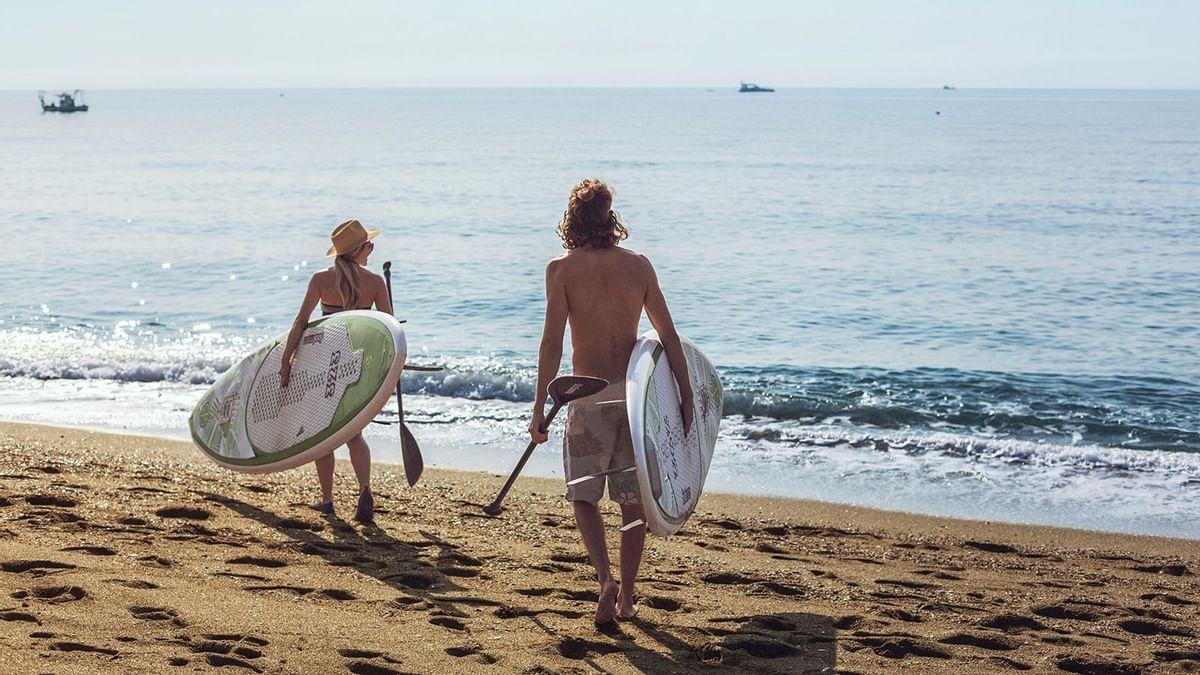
<point>972,303</point>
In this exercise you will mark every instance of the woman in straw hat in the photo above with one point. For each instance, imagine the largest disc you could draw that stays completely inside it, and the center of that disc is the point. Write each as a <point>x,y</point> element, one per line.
<point>346,285</point>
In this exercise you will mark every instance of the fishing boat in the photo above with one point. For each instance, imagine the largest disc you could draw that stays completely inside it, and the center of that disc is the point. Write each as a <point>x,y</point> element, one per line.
<point>751,88</point>
<point>67,103</point>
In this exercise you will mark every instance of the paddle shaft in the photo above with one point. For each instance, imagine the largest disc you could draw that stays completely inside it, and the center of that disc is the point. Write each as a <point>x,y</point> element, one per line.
<point>493,509</point>
<point>410,452</point>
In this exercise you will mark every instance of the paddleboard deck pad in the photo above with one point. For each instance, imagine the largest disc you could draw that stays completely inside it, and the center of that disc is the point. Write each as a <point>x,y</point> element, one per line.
<point>671,465</point>
<point>345,370</point>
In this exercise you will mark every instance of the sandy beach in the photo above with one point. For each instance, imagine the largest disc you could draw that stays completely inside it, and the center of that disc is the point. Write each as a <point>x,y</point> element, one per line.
<point>134,554</point>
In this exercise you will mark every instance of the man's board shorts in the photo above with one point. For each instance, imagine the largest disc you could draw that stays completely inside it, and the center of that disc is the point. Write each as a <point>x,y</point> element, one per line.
<point>597,439</point>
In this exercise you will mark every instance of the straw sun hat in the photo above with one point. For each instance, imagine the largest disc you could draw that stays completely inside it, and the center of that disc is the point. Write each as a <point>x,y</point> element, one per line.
<point>348,236</point>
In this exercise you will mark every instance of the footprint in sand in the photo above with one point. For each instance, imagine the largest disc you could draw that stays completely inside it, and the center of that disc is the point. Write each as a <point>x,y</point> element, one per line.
<point>989,547</point>
<point>1063,612</point>
<point>901,615</point>
<point>758,646</point>
<point>578,649</point>
<point>185,512</point>
<point>769,548</point>
<point>225,647</point>
<point>157,614</point>
<point>1013,622</point>
<point>899,647</point>
<point>155,561</point>
<point>37,568</point>
<point>969,640</point>
<point>51,500</point>
<point>473,650</point>
<point>90,550</point>
<point>133,583</point>
<point>365,667</point>
<point>19,616</point>
<point>660,602</point>
<point>220,661</point>
<point>1170,570</point>
<point>915,585</point>
<point>412,580</point>
<point>81,647</point>
<point>1089,667</point>
<point>724,524</point>
<point>300,524</point>
<point>728,578</point>
<point>257,562</point>
<point>448,622</point>
<point>298,590</point>
<point>1167,598</point>
<point>1139,627</point>
<point>59,594</point>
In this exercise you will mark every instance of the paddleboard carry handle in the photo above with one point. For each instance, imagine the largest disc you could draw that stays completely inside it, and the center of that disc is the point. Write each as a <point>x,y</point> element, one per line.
<point>562,390</point>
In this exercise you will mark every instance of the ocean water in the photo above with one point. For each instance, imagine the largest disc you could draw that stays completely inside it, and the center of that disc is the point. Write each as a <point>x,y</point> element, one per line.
<point>969,303</point>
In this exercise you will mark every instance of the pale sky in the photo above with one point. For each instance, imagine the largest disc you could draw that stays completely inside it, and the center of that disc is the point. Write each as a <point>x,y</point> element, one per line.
<point>133,44</point>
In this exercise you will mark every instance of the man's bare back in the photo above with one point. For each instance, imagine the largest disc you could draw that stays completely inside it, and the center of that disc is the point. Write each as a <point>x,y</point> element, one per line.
<point>605,291</point>
<point>601,292</point>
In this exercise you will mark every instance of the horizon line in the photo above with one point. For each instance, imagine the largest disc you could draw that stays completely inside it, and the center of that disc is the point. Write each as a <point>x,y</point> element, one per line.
<point>726,87</point>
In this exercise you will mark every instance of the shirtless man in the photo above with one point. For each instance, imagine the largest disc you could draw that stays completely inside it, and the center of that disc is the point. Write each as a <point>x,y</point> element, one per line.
<point>601,289</point>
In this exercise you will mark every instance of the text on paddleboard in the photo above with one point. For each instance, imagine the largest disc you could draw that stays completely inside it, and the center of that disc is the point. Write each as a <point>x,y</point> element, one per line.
<point>331,381</point>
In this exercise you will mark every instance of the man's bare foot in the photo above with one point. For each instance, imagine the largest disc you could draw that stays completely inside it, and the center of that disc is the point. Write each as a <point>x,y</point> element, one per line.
<point>606,609</point>
<point>626,610</point>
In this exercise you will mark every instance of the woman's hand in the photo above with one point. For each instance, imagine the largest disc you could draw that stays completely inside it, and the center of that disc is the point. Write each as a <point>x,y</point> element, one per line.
<point>537,424</point>
<point>285,373</point>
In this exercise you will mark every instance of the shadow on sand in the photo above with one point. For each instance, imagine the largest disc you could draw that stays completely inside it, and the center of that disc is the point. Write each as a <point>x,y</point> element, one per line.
<point>375,553</point>
<point>790,643</point>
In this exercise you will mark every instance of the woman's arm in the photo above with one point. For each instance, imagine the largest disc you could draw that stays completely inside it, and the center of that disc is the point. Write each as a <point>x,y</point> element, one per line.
<point>311,297</point>
<point>383,303</point>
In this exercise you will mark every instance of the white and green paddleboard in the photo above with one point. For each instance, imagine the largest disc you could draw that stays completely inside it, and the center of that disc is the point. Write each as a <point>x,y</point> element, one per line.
<point>671,465</point>
<point>345,370</point>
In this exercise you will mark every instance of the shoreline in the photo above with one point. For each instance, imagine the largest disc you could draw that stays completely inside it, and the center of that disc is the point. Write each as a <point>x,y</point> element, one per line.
<point>810,505</point>
<point>135,552</point>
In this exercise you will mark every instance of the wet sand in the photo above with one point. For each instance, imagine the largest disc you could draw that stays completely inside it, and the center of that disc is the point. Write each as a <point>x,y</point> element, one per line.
<point>131,554</point>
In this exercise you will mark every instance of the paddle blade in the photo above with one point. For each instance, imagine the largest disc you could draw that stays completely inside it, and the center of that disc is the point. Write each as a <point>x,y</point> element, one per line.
<point>570,387</point>
<point>410,453</point>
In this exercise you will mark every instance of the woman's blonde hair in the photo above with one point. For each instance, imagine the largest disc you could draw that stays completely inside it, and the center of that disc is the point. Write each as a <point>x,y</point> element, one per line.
<point>589,218</point>
<point>346,276</point>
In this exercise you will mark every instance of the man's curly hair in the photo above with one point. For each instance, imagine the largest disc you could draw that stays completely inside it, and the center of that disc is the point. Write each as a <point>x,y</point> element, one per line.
<point>589,218</point>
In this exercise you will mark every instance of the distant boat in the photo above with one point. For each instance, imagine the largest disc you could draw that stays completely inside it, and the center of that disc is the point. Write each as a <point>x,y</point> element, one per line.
<point>67,103</point>
<point>751,88</point>
<point>948,87</point>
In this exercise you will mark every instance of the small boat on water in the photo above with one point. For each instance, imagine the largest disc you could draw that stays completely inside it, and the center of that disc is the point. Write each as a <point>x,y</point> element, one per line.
<point>947,87</point>
<point>67,103</point>
<point>751,88</point>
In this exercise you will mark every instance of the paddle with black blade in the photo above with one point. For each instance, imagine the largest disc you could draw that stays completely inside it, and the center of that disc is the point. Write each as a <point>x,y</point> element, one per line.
<point>410,452</point>
<point>563,390</point>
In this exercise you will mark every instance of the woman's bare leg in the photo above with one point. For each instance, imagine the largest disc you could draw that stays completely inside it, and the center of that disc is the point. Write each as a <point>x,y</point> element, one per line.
<point>325,477</point>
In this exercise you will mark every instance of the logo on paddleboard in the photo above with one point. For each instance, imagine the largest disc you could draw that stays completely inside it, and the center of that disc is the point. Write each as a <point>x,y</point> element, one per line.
<point>313,337</point>
<point>228,408</point>
<point>331,380</point>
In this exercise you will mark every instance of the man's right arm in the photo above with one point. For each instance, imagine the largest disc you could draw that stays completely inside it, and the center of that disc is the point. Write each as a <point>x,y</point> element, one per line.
<point>550,350</point>
<point>660,317</point>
